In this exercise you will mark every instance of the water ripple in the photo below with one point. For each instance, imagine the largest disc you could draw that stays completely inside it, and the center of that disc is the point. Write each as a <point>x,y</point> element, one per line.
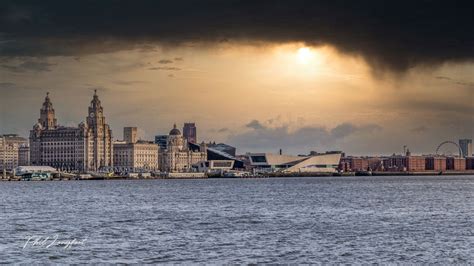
<point>284,220</point>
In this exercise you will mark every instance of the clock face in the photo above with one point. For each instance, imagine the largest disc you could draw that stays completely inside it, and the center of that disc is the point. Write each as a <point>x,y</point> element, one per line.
<point>91,114</point>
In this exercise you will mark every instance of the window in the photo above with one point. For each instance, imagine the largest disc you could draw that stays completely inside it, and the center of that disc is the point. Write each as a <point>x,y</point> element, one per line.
<point>259,159</point>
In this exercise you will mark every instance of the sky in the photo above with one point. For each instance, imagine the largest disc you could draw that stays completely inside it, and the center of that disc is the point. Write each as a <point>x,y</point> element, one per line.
<point>366,77</point>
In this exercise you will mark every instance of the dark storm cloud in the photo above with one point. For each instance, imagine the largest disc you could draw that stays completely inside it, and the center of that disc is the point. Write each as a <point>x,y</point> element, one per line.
<point>389,34</point>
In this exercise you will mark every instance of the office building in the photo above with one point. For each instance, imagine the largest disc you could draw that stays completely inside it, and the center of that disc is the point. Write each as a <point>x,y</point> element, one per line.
<point>141,156</point>
<point>130,134</point>
<point>10,151</point>
<point>466,147</point>
<point>132,155</point>
<point>24,155</point>
<point>189,132</point>
<point>162,141</point>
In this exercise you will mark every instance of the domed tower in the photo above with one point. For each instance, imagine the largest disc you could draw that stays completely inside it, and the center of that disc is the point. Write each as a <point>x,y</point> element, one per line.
<point>175,140</point>
<point>47,118</point>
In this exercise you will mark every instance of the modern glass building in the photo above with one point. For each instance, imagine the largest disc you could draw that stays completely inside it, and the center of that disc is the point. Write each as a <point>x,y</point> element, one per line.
<point>466,147</point>
<point>162,141</point>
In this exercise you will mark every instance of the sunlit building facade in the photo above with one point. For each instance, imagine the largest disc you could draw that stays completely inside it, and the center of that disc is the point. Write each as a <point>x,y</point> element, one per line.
<point>87,147</point>
<point>178,157</point>
<point>10,146</point>
<point>133,155</point>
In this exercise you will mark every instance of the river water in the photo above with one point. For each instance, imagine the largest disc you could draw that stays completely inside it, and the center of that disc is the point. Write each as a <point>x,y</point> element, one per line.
<point>280,220</point>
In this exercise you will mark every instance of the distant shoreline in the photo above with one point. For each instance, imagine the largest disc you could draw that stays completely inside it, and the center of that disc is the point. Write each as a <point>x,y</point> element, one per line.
<point>274,175</point>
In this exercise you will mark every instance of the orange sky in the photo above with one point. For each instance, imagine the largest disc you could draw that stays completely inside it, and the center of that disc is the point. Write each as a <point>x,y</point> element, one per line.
<point>301,96</point>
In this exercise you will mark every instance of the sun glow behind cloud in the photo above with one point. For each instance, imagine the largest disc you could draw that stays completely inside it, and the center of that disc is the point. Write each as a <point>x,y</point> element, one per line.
<point>313,85</point>
<point>297,62</point>
<point>304,55</point>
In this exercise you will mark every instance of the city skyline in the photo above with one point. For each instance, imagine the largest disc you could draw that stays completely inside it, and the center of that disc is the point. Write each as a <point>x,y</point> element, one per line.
<point>236,132</point>
<point>338,131</point>
<point>281,82</point>
<point>91,147</point>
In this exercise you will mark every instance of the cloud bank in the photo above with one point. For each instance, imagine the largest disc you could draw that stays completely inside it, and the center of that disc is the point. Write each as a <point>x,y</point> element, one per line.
<point>393,35</point>
<point>261,137</point>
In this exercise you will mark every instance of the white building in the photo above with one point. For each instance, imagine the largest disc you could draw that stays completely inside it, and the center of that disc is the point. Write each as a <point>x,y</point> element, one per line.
<point>132,155</point>
<point>136,157</point>
<point>321,163</point>
<point>178,157</point>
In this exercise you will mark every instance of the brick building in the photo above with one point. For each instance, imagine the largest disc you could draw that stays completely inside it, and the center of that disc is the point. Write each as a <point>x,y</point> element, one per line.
<point>407,162</point>
<point>436,163</point>
<point>470,163</point>
<point>455,164</point>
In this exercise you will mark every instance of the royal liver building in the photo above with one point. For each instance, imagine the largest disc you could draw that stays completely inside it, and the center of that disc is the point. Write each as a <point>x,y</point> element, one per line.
<point>87,147</point>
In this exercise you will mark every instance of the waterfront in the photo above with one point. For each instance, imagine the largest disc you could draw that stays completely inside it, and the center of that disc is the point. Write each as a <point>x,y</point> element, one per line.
<point>273,220</point>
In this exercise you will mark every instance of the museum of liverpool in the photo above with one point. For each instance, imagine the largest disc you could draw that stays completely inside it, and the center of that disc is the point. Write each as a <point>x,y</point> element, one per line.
<point>320,163</point>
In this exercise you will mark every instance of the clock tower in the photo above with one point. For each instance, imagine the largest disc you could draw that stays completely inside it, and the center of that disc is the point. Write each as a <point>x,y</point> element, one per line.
<point>100,134</point>
<point>47,118</point>
<point>96,112</point>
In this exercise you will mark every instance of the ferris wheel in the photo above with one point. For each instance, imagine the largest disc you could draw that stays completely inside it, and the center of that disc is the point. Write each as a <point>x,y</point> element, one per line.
<point>448,142</point>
